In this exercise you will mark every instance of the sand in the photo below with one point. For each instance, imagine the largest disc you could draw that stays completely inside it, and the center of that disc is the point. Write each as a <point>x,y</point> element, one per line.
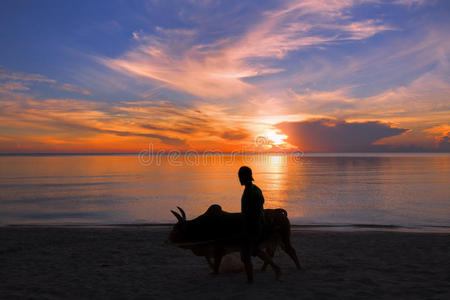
<point>136,263</point>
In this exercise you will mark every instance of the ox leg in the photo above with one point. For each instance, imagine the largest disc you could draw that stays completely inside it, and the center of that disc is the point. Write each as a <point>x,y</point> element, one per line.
<point>210,264</point>
<point>218,254</point>
<point>270,252</point>
<point>262,255</point>
<point>291,252</point>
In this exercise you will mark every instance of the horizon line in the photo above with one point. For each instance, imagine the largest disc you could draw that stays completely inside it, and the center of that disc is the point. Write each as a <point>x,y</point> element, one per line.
<point>169,152</point>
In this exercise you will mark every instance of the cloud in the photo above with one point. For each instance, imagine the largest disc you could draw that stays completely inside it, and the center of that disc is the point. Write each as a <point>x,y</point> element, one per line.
<point>67,121</point>
<point>330,135</point>
<point>420,104</point>
<point>8,74</point>
<point>75,125</point>
<point>179,129</point>
<point>442,136</point>
<point>234,135</point>
<point>137,35</point>
<point>218,69</point>
<point>201,72</point>
<point>71,125</point>
<point>3,138</point>
<point>364,29</point>
<point>14,86</point>
<point>413,2</point>
<point>441,130</point>
<point>74,89</point>
<point>444,143</point>
<point>19,81</point>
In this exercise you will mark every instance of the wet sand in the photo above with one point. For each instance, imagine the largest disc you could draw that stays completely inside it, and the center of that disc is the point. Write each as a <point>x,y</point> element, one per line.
<point>136,263</point>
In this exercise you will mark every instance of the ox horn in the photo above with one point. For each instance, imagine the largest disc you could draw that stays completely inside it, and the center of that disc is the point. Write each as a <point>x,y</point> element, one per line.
<point>182,212</point>
<point>177,215</point>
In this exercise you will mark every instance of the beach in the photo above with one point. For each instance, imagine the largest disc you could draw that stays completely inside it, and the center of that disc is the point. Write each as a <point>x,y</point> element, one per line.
<point>136,262</point>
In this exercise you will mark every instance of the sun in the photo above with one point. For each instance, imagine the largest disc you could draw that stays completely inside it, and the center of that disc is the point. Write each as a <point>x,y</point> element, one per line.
<point>276,138</point>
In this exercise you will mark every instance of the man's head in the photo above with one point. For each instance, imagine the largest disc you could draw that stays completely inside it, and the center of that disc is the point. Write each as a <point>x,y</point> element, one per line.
<point>245,175</point>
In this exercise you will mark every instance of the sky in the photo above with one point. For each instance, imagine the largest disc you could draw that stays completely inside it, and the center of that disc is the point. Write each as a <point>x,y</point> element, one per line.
<point>123,76</point>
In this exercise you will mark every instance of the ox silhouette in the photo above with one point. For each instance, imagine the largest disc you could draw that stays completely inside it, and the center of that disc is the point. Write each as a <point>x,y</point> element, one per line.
<point>217,233</point>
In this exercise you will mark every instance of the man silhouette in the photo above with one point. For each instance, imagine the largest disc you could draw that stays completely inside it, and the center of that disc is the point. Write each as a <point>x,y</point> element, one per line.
<point>252,209</point>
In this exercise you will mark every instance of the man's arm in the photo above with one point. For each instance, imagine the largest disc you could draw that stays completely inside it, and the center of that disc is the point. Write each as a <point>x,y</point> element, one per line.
<point>244,203</point>
<point>260,197</point>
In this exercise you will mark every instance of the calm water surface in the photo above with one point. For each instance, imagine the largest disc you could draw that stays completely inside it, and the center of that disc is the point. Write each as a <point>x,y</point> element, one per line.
<point>383,189</point>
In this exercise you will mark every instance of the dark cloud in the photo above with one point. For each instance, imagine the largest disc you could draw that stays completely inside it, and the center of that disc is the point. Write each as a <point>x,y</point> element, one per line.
<point>234,135</point>
<point>198,122</point>
<point>329,135</point>
<point>180,129</point>
<point>444,144</point>
<point>166,140</point>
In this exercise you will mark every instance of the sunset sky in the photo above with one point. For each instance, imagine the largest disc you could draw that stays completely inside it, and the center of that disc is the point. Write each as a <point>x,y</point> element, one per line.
<point>319,76</point>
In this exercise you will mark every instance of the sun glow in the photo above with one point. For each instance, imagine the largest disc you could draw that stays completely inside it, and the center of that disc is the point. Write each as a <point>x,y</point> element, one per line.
<point>276,138</point>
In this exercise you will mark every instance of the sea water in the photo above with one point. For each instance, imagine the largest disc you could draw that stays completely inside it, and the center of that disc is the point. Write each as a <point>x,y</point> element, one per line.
<point>405,190</point>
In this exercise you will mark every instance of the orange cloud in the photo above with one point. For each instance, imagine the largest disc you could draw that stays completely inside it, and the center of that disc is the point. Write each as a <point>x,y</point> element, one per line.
<point>442,136</point>
<point>65,125</point>
<point>439,130</point>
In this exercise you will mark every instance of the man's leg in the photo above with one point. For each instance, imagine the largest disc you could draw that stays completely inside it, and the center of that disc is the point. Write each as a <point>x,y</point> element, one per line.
<point>267,260</point>
<point>247,260</point>
<point>249,270</point>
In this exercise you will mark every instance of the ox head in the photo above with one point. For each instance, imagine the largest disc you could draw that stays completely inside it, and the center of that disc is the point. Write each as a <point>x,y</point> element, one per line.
<point>179,229</point>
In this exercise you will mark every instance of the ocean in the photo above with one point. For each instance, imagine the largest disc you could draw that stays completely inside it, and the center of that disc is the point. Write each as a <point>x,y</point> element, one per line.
<point>339,190</point>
